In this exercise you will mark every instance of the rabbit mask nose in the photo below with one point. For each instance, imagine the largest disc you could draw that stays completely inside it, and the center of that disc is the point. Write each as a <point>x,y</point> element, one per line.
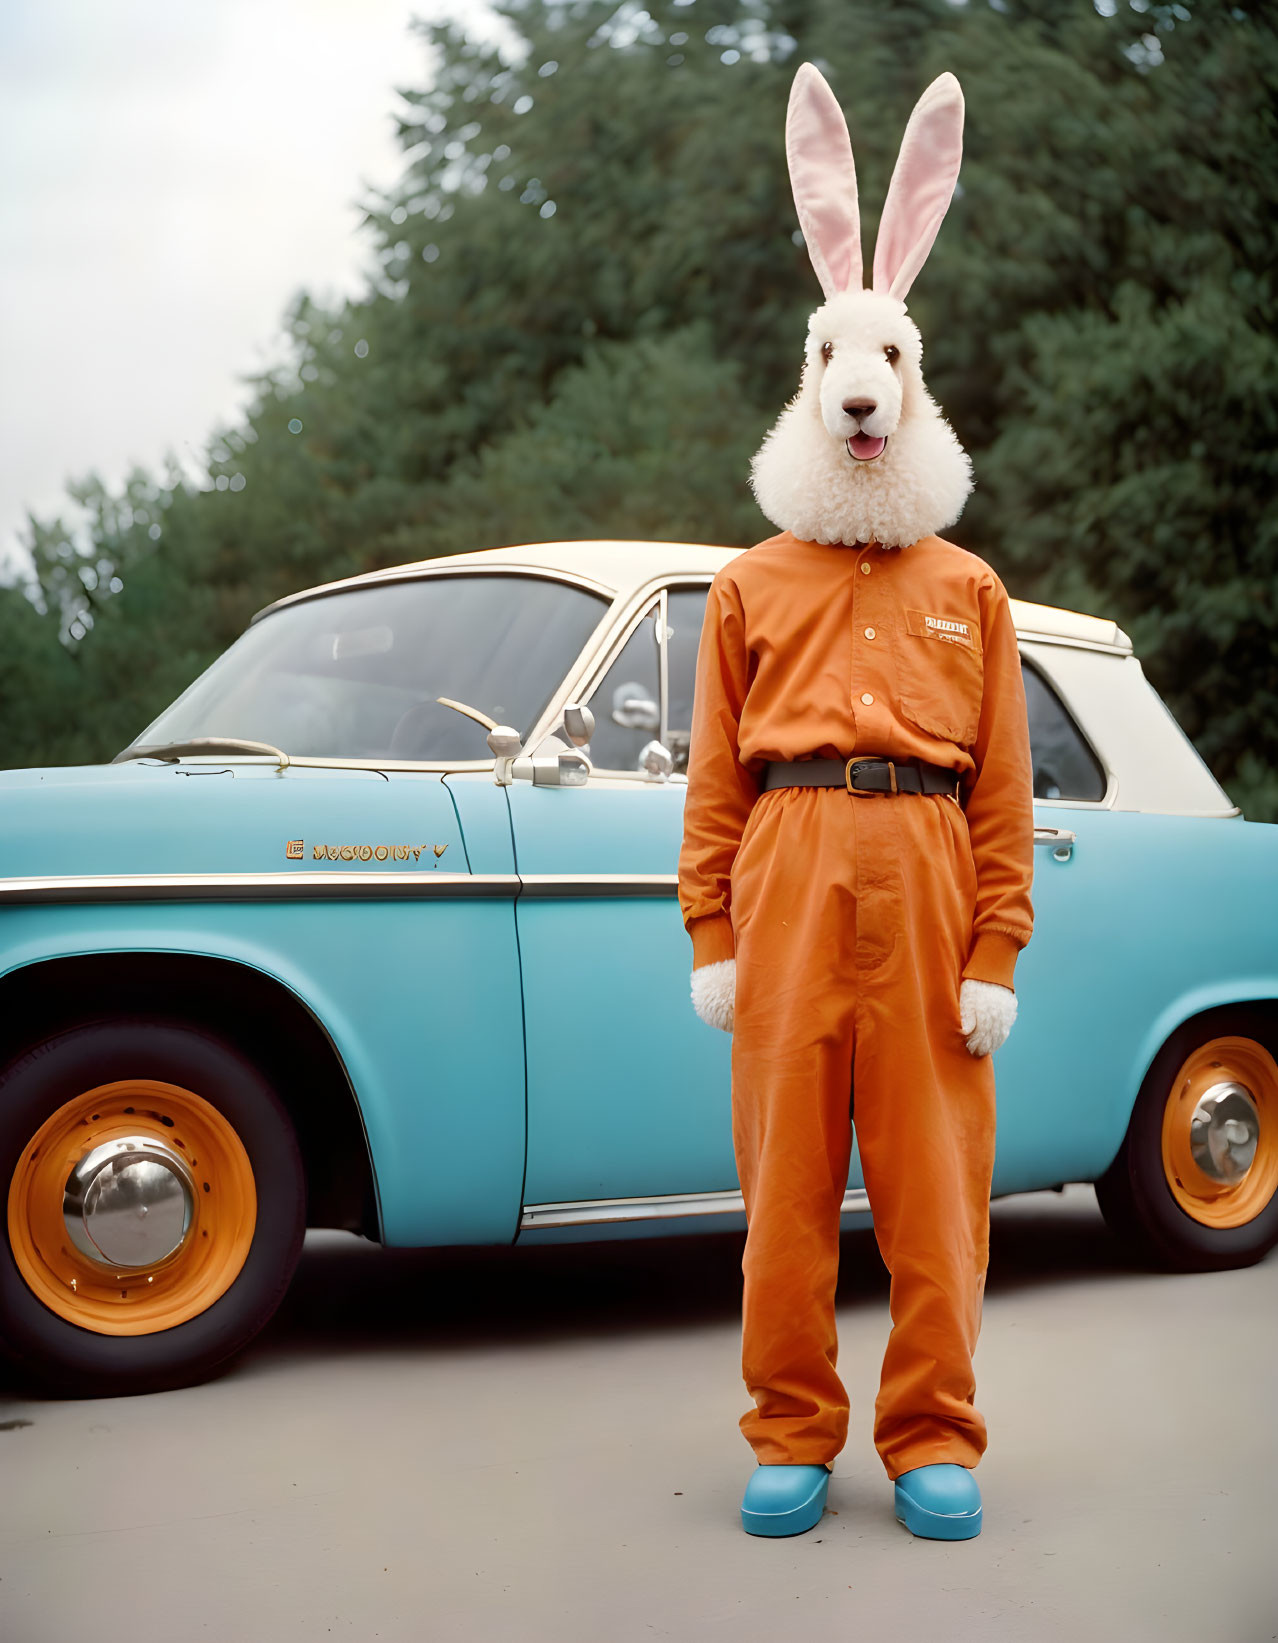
<point>860,407</point>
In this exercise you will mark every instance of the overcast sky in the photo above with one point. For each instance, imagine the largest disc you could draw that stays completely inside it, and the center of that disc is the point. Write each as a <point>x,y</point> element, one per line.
<point>173,173</point>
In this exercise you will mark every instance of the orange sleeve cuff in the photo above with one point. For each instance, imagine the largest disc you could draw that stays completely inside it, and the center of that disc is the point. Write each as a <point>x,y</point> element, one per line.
<point>711,939</point>
<point>993,958</point>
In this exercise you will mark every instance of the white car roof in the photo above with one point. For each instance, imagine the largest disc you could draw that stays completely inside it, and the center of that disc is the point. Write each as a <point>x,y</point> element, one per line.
<point>618,567</point>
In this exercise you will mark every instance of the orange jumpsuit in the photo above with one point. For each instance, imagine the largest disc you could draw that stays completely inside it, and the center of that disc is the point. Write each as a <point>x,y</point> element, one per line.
<point>853,918</point>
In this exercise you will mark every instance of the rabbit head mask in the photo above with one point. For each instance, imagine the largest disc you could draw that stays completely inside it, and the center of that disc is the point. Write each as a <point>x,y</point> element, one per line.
<point>862,453</point>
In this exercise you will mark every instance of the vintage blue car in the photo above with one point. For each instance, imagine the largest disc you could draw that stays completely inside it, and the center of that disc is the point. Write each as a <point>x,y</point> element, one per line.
<point>376,928</point>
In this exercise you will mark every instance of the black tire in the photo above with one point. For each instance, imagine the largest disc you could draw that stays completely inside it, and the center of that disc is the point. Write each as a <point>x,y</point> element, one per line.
<point>52,1352</point>
<point>1134,1195</point>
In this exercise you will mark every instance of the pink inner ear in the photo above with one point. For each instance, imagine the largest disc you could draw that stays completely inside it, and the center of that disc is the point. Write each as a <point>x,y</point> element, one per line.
<point>921,188</point>
<point>823,177</point>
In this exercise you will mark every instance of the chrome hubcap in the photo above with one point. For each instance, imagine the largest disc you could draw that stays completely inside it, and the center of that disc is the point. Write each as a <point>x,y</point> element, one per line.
<point>129,1203</point>
<point>1224,1132</point>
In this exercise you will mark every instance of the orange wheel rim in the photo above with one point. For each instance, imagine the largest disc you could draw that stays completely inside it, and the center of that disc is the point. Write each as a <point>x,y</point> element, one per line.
<point>220,1210</point>
<point>1220,1133</point>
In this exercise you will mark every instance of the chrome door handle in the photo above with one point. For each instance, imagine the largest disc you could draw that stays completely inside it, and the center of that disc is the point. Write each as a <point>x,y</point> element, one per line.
<point>1059,840</point>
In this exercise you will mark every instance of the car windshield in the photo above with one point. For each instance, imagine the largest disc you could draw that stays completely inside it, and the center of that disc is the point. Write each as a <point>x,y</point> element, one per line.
<point>355,675</point>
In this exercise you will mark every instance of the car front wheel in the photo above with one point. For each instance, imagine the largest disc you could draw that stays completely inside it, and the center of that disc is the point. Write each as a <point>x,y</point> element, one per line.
<point>1195,1183</point>
<point>156,1206</point>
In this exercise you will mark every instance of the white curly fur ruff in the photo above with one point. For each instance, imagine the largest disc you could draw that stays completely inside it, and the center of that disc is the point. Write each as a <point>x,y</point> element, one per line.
<point>986,1014</point>
<point>714,989</point>
<point>803,477</point>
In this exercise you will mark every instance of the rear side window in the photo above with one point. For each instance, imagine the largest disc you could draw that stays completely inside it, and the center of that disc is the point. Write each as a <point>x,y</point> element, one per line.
<point>1064,766</point>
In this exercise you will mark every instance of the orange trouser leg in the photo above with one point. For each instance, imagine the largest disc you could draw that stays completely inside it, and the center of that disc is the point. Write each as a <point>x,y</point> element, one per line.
<point>852,917</point>
<point>924,1115</point>
<point>791,1118</point>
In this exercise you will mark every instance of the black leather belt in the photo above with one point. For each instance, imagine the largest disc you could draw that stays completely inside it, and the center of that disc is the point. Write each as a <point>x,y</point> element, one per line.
<point>864,773</point>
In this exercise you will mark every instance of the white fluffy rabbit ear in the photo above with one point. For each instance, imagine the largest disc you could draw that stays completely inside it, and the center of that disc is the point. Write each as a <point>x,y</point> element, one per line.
<point>823,177</point>
<point>921,188</point>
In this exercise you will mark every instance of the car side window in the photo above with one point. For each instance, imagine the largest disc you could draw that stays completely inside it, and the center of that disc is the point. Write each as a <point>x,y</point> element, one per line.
<point>627,701</point>
<point>1064,766</point>
<point>685,613</point>
<point>627,706</point>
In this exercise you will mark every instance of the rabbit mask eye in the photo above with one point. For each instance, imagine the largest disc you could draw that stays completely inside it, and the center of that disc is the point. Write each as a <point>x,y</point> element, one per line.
<point>891,354</point>
<point>827,351</point>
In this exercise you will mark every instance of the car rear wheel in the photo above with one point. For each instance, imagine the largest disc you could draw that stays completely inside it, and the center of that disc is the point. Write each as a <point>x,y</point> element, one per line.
<point>155,1206</point>
<point>1195,1183</point>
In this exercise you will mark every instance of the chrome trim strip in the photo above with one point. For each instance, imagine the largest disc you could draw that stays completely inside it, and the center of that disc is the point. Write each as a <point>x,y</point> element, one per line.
<point>606,1211</point>
<point>306,761</point>
<point>663,665</point>
<point>312,885</point>
<point>301,886</point>
<point>599,884</point>
<point>424,572</point>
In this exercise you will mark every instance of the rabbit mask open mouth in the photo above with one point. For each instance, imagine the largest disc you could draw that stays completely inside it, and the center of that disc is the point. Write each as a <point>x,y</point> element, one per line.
<point>862,453</point>
<point>863,353</point>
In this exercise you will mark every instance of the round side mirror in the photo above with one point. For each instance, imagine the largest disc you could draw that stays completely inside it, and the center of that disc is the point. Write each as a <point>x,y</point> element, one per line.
<point>656,761</point>
<point>504,742</point>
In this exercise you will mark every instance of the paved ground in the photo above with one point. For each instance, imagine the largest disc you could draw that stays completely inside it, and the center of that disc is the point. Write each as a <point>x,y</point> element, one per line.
<point>541,1446</point>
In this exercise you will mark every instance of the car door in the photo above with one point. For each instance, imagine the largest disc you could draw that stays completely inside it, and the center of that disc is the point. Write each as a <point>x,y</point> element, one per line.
<point>1047,1052</point>
<point>628,1092</point>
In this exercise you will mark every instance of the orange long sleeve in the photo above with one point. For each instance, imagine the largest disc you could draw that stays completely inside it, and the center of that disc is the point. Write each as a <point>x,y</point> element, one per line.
<point>721,790</point>
<point>815,651</point>
<point>1000,801</point>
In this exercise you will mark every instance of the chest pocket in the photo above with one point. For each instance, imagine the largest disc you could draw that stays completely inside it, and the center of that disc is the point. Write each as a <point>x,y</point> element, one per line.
<point>940,675</point>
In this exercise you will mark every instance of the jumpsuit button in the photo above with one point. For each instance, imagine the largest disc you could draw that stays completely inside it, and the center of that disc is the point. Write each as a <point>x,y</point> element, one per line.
<point>869,633</point>
<point>868,699</point>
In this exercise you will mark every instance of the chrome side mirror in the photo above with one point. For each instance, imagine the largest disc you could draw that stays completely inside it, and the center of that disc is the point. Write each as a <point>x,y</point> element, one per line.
<point>563,767</point>
<point>505,745</point>
<point>656,761</point>
<point>566,769</point>
<point>579,723</point>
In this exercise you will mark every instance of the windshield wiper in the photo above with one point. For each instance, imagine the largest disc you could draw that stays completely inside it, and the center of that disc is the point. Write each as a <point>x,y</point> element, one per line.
<point>173,752</point>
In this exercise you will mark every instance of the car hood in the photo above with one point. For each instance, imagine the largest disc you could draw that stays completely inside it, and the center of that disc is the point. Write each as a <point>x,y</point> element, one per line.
<point>143,818</point>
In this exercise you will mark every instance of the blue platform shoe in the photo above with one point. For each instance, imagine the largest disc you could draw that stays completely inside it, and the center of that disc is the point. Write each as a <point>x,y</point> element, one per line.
<point>939,1502</point>
<point>784,1500</point>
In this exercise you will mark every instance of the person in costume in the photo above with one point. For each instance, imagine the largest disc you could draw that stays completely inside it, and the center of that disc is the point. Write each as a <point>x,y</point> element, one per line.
<point>858,855</point>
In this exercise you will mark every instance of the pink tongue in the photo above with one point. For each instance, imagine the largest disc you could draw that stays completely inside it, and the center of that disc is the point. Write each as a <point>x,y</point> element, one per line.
<point>864,448</point>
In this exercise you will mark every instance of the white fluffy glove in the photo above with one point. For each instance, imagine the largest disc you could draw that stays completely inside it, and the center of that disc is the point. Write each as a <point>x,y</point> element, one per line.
<point>986,1010</point>
<point>986,1014</point>
<point>714,988</point>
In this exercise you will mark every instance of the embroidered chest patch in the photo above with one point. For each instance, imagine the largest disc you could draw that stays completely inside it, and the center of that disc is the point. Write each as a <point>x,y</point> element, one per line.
<point>951,630</point>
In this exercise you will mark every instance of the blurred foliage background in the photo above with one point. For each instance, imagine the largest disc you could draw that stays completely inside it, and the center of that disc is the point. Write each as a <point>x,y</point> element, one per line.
<point>587,302</point>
